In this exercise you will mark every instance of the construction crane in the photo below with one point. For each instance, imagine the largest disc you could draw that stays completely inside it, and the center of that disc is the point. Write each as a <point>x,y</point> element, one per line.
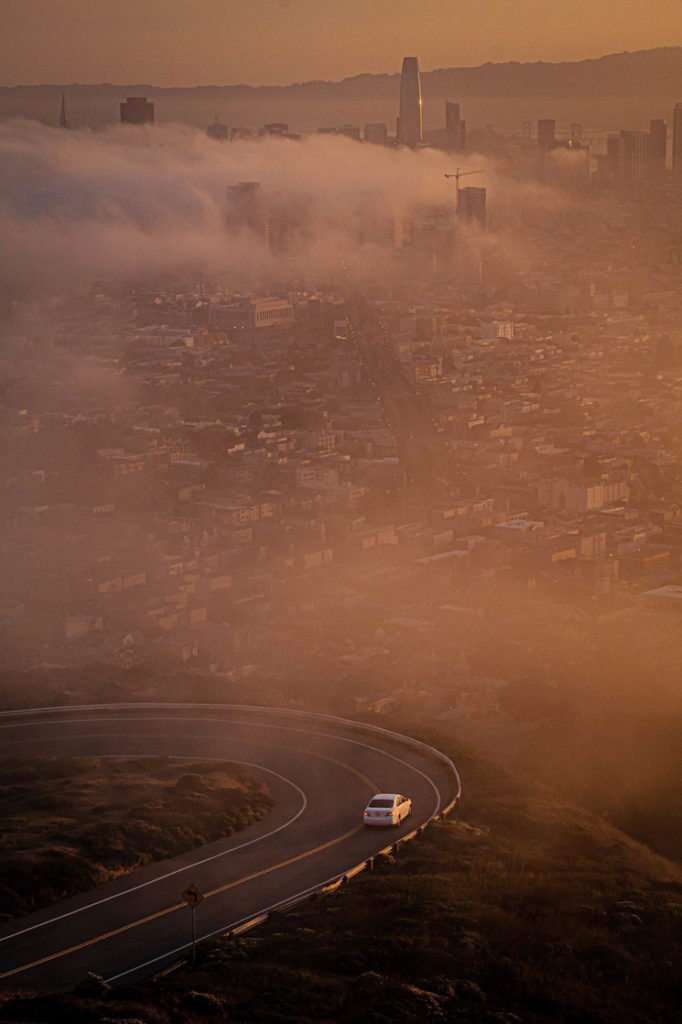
<point>461,174</point>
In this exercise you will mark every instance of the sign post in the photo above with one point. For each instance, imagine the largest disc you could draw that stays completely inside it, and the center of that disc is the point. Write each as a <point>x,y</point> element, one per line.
<point>192,896</point>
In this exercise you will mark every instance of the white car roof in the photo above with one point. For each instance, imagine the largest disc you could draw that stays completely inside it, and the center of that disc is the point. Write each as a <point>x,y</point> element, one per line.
<point>385,796</point>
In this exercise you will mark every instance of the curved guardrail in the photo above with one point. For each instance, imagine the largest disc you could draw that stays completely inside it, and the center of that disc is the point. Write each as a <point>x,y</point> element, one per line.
<point>293,712</point>
<point>333,883</point>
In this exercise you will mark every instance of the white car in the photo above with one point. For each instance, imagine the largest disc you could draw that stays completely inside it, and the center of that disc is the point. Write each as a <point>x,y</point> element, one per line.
<point>387,809</point>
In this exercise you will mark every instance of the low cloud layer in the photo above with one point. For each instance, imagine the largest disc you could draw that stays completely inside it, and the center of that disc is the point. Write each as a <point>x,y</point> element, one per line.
<point>123,202</point>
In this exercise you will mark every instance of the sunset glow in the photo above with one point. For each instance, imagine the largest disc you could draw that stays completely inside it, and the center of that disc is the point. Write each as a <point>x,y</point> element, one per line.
<point>224,42</point>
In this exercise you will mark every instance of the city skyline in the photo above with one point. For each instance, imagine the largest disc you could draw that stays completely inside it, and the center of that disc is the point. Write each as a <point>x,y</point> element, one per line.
<point>284,41</point>
<point>339,454</point>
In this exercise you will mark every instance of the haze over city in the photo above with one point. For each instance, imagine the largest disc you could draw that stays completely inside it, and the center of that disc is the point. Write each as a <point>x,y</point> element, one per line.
<point>341,512</point>
<point>223,42</point>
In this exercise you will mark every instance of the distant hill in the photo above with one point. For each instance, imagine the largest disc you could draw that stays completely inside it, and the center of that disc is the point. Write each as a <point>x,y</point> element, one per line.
<point>655,71</point>
<point>645,71</point>
<point>622,89</point>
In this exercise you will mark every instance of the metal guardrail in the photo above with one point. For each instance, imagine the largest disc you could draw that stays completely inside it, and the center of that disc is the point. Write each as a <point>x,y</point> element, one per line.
<point>332,884</point>
<point>253,922</point>
<point>292,712</point>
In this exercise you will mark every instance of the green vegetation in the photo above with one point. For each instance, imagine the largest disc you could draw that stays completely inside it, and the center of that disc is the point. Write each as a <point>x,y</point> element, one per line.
<point>520,909</point>
<point>72,823</point>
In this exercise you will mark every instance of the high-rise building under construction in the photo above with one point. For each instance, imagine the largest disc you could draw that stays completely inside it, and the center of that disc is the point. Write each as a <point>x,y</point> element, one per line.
<point>471,205</point>
<point>410,117</point>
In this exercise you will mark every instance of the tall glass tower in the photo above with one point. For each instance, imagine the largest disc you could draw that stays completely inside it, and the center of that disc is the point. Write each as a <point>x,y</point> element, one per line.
<point>677,141</point>
<point>410,119</point>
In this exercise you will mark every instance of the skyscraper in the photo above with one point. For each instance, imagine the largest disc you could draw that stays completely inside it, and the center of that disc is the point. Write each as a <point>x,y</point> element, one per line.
<point>546,130</point>
<point>376,133</point>
<point>658,145</point>
<point>628,155</point>
<point>376,223</point>
<point>218,130</point>
<point>471,205</point>
<point>137,110</point>
<point>677,143</point>
<point>247,208</point>
<point>351,131</point>
<point>410,119</point>
<point>634,155</point>
<point>454,128</point>
<point>63,116</point>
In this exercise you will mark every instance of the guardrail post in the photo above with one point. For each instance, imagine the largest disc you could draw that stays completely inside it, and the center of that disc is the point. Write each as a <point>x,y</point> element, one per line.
<point>374,729</point>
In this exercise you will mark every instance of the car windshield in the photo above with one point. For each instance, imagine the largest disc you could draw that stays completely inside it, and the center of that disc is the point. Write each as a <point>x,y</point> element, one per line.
<point>383,802</point>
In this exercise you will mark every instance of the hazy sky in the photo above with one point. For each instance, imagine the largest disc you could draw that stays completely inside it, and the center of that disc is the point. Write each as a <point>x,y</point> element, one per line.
<point>224,42</point>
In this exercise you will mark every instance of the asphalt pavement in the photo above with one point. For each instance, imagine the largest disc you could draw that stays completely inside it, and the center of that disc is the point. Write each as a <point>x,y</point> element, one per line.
<point>321,773</point>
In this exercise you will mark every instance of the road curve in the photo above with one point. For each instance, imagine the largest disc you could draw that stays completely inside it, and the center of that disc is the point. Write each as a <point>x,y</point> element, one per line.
<point>321,772</point>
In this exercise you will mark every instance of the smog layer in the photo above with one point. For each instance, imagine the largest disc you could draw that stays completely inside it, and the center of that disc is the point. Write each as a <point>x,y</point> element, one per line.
<point>357,428</point>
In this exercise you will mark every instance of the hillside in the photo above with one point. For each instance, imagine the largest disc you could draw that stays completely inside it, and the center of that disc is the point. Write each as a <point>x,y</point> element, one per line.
<point>617,89</point>
<point>70,824</point>
<point>644,71</point>
<point>522,908</point>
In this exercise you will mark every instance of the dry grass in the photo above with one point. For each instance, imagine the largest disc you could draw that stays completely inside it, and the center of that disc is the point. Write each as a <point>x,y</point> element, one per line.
<point>72,823</point>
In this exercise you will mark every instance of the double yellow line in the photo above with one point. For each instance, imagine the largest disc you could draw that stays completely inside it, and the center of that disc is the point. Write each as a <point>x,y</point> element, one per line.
<point>213,892</point>
<point>176,906</point>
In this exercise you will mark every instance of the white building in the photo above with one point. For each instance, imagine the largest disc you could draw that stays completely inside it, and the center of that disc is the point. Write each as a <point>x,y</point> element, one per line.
<point>251,313</point>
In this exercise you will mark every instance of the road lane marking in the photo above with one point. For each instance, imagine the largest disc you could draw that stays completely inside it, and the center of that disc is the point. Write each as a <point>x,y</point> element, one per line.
<point>224,721</point>
<point>342,764</point>
<point>215,856</point>
<point>214,721</point>
<point>285,863</point>
<point>355,743</point>
<point>296,750</point>
<point>177,906</point>
<point>176,871</point>
<point>204,860</point>
<point>90,942</point>
<point>230,722</point>
<point>225,928</point>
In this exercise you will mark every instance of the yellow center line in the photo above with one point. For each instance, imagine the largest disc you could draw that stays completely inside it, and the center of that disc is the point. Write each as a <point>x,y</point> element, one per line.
<point>324,757</point>
<point>283,746</point>
<point>91,942</point>
<point>176,906</point>
<point>341,764</point>
<point>285,863</point>
<point>295,750</point>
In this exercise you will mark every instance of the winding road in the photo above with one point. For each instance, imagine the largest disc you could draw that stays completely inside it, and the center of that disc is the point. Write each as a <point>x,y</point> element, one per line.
<point>321,772</point>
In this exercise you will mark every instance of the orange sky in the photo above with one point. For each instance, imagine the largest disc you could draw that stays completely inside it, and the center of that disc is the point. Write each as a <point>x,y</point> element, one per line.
<point>223,42</point>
